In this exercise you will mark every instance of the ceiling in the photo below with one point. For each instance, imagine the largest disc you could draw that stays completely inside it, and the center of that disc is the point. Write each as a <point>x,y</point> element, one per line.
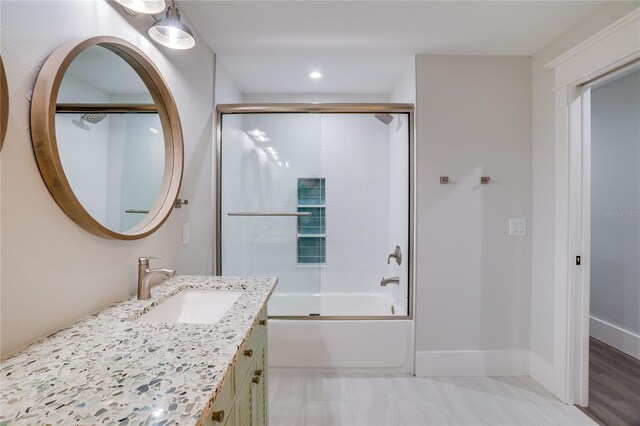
<point>365,46</point>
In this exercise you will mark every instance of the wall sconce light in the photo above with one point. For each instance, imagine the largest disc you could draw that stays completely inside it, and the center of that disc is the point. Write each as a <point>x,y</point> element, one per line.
<point>171,32</point>
<point>150,7</point>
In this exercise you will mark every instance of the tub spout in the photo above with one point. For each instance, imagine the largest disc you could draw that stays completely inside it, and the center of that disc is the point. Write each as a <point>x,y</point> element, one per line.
<point>392,280</point>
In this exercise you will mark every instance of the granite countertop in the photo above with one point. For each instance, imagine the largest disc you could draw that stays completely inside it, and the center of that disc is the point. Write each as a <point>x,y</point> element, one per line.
<point>108,369</point>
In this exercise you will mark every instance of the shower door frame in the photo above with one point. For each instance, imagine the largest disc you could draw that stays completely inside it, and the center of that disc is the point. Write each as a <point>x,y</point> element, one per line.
<point>326,108</point>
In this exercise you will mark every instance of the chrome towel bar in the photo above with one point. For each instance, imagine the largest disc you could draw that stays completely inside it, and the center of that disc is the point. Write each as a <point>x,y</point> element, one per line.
<point>136,211</point>
<point>269,214</point>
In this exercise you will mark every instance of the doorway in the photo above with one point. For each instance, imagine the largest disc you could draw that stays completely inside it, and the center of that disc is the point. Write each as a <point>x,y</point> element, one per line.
<point>612,167</point>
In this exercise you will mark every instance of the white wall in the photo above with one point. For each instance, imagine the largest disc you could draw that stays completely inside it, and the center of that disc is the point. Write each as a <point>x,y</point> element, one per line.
<point>542,286</point>
<point>227,92</point>
<point>615,212</point>
<point>54,272</point>
<point>473,120</point>
<point>354,161</point>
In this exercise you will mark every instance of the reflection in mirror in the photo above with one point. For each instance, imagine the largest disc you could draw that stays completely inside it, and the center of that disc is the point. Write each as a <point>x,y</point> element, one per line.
<point>4,104</point>
<point>110,139</point>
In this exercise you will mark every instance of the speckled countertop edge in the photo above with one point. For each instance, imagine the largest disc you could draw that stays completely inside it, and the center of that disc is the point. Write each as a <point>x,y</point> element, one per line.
<point>108,369</point>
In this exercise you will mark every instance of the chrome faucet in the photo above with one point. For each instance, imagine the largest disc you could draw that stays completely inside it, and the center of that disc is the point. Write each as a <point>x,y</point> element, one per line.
<point>145,274</point>
<point>392,280</point>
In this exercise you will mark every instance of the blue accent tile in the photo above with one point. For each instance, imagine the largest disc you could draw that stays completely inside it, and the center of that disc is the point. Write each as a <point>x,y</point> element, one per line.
<point>311,192</point>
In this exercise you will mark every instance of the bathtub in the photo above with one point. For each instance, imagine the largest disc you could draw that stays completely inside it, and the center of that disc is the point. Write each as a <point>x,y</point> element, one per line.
<point>327,343</point>
<point>335,304</point>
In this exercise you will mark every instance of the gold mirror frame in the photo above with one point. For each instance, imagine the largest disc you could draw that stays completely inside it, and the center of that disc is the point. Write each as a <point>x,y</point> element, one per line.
<point>4,104</point>
<point>43,133</point>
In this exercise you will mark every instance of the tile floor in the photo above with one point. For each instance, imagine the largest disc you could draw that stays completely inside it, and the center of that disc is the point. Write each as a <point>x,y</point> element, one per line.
<point>327,400</point>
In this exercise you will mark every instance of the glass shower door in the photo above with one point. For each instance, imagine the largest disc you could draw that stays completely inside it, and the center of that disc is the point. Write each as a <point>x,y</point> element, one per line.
<point>273,206</point>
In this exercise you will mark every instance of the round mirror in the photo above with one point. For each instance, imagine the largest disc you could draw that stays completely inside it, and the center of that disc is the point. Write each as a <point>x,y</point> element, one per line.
<point>107,137</point>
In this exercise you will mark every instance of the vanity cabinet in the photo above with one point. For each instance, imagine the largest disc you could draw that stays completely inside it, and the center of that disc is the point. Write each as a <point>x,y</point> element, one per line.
<point>243,398</point>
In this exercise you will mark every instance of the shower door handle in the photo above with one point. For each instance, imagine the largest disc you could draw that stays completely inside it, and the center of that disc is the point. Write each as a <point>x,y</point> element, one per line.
<point>269,214</point>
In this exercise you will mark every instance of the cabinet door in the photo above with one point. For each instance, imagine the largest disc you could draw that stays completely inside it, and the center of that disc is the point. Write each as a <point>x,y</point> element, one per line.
<point>244,404</point>
<point>230,421</point>
<point>260,388</point>
<point>222,412</point>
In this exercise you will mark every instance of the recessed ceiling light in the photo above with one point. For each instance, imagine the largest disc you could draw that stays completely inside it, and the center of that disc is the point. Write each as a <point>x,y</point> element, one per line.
<point>315,75</point>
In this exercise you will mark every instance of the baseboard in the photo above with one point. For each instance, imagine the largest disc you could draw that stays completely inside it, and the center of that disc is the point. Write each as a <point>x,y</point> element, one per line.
<point>472,363</point>
<point>541,371</point>
<point>621,339</point>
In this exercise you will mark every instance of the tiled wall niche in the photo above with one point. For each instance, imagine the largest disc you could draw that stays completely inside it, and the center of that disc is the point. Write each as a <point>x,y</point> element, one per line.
<point>311,229</point>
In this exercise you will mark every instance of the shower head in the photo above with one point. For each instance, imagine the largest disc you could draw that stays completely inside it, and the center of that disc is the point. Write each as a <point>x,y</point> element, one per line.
<point>385,118</point>
<point>93,117</point>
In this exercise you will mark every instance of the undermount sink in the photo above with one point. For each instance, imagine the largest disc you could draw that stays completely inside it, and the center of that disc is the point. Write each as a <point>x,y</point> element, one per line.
<point>193,306</point>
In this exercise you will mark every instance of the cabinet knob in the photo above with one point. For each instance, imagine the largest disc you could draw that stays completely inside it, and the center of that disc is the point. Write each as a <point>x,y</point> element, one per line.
<point>256,380</point>
<point>248,352</point>
<point>262,322</point>
<point>258,372</point>
<point>218,416</point>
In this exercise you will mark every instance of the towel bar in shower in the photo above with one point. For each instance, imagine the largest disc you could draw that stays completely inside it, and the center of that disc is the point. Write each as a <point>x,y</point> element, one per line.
<point>269,214</point>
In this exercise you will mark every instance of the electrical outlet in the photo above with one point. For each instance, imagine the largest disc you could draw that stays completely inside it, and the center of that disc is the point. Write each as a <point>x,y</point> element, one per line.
<point>186,234</point>
<point>517,227</point>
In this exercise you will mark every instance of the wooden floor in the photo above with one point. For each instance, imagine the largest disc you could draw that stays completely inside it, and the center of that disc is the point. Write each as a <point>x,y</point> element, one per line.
<point>331,400</point>
<point>614,386</point>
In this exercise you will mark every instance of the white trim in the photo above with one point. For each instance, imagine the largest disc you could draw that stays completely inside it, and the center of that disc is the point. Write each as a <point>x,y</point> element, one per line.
<point>628,19</point>
<point>583,246</point>
<point>472,363</point>
<point>612,47</point>
<point>541,370</point>
<point>562,303</point>
<point>609,49</point>
<point>618,337</point>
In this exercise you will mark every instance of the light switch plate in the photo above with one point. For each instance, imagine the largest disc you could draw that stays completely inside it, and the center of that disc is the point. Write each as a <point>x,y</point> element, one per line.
<point>186,234</point>
<point>517,227</point>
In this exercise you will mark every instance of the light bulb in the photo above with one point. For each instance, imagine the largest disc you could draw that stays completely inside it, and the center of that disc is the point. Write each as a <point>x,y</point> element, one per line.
<point>173,35</point>
<point>150,7</point>
<point>171,32</point>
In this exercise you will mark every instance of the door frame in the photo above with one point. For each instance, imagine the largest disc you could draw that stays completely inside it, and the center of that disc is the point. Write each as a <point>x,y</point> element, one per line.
<point>327,108</point>
<point>605,52</point>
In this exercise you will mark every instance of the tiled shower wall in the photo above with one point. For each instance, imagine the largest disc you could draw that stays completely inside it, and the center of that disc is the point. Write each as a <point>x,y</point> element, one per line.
<point>350,153</point>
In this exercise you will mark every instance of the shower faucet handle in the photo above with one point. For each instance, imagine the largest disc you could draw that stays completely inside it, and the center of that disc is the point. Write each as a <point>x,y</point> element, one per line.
<point>397,255</point>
